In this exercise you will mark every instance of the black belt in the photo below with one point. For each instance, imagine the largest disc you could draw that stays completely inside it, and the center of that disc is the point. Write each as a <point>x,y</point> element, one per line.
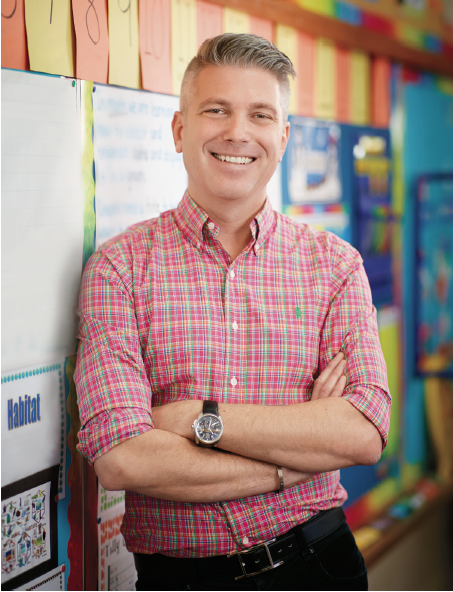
<point>257,559</point>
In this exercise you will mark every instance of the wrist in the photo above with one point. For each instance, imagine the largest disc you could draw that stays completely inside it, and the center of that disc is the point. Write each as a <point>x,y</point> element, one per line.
<point>208,426</point>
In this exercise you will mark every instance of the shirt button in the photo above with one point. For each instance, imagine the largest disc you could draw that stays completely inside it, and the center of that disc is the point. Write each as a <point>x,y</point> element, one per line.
<point>245,540</point>
<point>233,381</point>
<point>211,225</point>
<point>235,326</point>
<point>232,274</point>
<point>198,245</point>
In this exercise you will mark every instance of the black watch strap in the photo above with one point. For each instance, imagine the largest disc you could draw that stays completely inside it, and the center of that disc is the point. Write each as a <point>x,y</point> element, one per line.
<point>211,407</point>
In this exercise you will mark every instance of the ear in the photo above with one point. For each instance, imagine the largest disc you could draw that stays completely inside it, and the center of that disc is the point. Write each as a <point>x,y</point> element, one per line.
<point>285,138</point>
<point>177,127</point>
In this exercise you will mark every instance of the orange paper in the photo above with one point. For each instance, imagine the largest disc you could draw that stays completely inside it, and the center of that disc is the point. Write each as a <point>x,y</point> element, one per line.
<point>343,85</point>
<point>14,37</point>
<point>380,89</point>
<point>154,26</point>
<point>209,21</point>
<point>262,27</point>
<point>306,74</point>
<point>92,55</point>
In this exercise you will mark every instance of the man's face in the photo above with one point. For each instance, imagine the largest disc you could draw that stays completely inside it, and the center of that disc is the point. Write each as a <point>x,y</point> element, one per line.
<point>232,113</point>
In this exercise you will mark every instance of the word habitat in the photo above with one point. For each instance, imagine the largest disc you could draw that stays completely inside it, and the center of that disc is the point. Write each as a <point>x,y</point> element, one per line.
<point>24,411</point>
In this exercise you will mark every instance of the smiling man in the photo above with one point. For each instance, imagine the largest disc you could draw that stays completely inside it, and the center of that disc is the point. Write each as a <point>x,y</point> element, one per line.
<point>224,327</point>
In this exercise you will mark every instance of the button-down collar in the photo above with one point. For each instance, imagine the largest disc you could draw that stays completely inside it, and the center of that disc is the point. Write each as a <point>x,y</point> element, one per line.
<point>191,220</point>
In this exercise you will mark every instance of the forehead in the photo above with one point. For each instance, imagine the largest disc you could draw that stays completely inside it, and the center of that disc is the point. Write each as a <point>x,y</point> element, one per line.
<point>236,84</point>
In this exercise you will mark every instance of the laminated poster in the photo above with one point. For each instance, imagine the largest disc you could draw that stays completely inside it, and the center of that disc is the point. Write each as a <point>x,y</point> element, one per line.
<point>33,423</point>
<point>116,563</point>
<point>311,166</point>
<point>51,580</point>
<point>138,172</point>
<point>29,528</point>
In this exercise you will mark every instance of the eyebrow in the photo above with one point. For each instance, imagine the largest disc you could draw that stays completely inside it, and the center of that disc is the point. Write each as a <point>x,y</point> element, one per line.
<point>225,103</point>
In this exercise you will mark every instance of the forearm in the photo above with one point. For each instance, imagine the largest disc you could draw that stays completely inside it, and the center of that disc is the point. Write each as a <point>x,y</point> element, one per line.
<point>165,465</point>
<point>316,436</point>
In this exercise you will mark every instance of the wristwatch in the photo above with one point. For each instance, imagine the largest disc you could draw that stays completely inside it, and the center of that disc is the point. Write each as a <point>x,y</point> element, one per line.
<point>208,427</point>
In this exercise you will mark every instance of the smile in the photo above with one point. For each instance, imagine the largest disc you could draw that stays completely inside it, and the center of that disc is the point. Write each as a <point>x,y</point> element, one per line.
<point>233,159</point>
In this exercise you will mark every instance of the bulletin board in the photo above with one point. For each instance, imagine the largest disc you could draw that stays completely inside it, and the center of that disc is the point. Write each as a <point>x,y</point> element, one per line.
<point>87,151</point>
<point>434,274</point>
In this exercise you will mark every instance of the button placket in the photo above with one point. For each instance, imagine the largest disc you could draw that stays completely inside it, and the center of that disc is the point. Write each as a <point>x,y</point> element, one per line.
<point>232,327</point>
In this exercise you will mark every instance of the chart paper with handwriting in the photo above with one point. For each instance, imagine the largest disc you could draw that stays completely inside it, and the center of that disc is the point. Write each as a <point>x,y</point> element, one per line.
<point>138,172</point>
<point>42,223</point>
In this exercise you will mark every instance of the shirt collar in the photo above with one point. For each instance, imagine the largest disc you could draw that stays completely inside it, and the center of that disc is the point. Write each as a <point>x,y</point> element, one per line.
<point>191,220</point>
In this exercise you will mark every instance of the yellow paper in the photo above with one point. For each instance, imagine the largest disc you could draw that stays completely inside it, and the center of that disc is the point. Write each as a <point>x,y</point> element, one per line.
<point>325,79</point>
<point>286,41</point>
<point>124,61</point>
<point>326,7</point>
<point>360,88</point>
<point>390,343</point>
<point>235,21</point>
<point>49,34</point>
<point>183,39</point>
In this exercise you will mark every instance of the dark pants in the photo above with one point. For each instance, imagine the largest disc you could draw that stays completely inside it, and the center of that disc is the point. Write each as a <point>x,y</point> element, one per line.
<point>332,563</point>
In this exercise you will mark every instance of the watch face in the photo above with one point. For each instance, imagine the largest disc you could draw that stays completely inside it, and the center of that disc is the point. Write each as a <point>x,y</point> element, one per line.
<point>209,428</point>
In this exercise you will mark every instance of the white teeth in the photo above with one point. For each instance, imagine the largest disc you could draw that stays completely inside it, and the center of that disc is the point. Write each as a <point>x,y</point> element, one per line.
<point>233,159</point>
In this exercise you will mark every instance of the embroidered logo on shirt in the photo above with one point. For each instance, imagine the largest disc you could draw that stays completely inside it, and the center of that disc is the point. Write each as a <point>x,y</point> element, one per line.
<point>298,312</point>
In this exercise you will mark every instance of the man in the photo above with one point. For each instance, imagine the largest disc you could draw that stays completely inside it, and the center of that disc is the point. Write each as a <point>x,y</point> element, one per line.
<point>208,326</point>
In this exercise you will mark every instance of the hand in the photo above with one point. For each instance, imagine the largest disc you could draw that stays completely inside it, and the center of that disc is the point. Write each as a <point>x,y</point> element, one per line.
<point>331,382</point>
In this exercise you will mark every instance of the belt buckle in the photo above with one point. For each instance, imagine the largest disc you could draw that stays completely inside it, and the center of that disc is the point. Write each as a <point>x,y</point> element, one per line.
<point>251,550</point>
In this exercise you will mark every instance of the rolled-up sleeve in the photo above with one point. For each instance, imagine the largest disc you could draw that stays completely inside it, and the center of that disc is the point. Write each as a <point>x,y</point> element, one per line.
<point>351,326</point>
<point>113,390</point>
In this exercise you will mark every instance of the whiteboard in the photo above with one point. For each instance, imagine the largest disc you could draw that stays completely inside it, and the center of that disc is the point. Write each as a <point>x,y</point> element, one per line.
<point>137,170</point>
<point>42,218</point>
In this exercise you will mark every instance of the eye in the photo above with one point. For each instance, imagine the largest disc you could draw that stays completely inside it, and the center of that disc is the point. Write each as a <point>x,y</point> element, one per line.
<point>262,116</point>
<point>215,111</point>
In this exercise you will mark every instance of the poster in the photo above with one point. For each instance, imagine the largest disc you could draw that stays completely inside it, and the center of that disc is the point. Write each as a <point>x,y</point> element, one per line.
<point>116,563</point>
<point>51,580</point>
<point>434,305</point>
<point>29,527</point>
<point>311,166</point>
<point>33,423</point>
<point>138,172</point>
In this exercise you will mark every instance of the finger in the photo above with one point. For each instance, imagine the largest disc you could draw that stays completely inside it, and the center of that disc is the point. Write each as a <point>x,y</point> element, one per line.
<point>339,387</point>
<point>325,374</point>
<point>325,383</point>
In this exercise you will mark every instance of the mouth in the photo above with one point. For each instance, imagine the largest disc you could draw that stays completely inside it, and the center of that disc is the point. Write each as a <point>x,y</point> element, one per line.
<point>233,159</point>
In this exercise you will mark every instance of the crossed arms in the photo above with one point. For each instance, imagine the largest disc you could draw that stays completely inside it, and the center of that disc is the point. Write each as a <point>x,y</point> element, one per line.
<point>324,434</point>
<point>344,423</point>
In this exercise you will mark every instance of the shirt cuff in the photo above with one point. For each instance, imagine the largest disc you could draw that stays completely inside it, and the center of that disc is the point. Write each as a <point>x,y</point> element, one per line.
<point>374,403</point>
<point>110,428</point>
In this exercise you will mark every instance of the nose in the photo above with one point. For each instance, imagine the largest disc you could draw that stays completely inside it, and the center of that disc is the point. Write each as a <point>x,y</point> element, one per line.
<point>237,129</point>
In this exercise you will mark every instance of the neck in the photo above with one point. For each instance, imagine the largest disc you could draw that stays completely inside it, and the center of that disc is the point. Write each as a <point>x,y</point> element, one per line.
<point>233,218</point>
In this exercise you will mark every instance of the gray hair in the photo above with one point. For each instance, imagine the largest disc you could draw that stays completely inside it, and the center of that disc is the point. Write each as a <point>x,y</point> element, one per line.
<point>241,50</point>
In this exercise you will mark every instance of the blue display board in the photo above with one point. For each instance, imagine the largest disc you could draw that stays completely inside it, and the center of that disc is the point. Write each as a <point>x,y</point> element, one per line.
<point>367,174</point>
<point>434,274</point>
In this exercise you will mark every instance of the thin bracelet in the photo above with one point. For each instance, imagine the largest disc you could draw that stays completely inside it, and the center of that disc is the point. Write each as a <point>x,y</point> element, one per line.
<point>280,478</point>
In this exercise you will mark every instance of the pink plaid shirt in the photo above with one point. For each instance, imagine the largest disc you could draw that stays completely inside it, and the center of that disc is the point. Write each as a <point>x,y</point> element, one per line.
<point>166,315</point>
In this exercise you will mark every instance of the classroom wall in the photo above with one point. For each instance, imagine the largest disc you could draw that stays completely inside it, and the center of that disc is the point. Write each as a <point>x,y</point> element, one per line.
<point>88,93</point>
